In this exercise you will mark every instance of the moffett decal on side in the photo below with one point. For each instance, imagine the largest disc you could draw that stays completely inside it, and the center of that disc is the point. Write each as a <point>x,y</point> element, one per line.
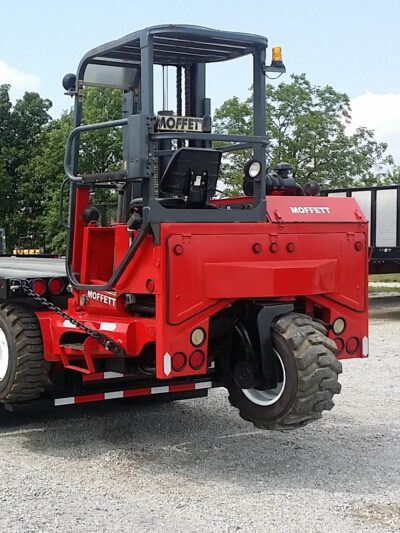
<point>103,298</point>
<point>311,210</point>
<point>172,123</point>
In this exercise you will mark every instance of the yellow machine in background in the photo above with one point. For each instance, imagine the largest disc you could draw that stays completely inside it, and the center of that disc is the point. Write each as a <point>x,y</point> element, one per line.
<point>32,244</point>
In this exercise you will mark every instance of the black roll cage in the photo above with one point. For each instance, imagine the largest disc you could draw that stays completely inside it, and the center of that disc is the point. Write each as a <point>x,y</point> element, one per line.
<point>171,45</point>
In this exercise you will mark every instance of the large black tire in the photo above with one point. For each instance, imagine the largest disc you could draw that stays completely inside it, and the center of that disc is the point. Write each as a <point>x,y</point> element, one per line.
<point>24,373</point>
<point>311,372</point>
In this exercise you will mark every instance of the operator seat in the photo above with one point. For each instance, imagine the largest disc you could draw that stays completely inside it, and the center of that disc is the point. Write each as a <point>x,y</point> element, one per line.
<point>192,173</point>
<point>190,180</point>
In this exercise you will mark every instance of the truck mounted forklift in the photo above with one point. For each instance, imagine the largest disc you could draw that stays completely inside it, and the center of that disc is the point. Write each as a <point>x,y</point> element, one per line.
<point>186,290</point>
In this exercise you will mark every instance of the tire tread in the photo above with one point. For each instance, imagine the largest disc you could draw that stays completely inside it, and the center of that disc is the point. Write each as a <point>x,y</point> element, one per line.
<point>32,371</point>
<point>318,371</point>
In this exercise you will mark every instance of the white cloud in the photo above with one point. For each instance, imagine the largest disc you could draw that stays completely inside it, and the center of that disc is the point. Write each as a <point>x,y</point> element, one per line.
<point>19,81</point>
<point>381,113</point>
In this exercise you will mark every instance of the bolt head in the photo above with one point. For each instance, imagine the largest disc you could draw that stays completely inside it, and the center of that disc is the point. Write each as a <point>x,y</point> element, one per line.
<point>178,249</point>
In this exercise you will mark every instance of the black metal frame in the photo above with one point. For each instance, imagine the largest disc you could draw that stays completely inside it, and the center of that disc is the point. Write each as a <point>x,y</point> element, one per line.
<point>382,259</point>
<point>170,45</point>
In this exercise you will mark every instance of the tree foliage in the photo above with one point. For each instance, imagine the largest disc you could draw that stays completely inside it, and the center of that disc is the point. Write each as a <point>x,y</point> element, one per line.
<point>32,155</point>
<point>101,151</point>
<point>306,126</point>
<point>22,130</point>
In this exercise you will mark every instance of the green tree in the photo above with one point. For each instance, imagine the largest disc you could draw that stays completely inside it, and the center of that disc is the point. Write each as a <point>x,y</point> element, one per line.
<point>44,175</point>
<point>392,177</point>
<point>306,127</point>
<point>101,151</point>
<point>21,133</point>
<point>32,154</point>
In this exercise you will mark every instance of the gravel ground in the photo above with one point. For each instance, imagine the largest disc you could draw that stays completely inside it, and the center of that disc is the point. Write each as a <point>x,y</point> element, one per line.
<point>194,466</point>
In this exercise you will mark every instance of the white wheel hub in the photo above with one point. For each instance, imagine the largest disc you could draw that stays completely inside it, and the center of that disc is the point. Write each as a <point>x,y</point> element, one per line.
<point>4,355</point>
<point>267,397</point>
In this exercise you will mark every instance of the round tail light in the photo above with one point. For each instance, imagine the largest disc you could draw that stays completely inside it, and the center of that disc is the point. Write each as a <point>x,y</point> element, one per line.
<point>56,286</point>
<point>197,359</point>
<point>178,361</point>
<point>352,345</point>
<point>197,337</point>
<point>338,326</point>
<point>340,345</point>
<point>39,286</point>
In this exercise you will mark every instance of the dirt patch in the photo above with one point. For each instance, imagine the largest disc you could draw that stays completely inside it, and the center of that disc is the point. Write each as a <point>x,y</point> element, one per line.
<point>382,514</point>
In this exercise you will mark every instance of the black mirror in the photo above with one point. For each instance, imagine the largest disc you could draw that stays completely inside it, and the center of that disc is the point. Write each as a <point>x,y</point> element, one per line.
<point>69,81</point>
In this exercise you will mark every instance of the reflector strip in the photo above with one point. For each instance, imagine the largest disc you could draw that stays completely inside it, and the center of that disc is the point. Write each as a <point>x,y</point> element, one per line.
<point>90,398</point>
<point>99,376</point>
<point>108,326</point>
<point>203,385</point>
<point>365,347</point>
<point>129,393</point>
<point>137,392</point>
<point>177,388</point>
<point>161,390</point>
<point>113,395</point>
<point>68,324</point>
<point>64,401</point>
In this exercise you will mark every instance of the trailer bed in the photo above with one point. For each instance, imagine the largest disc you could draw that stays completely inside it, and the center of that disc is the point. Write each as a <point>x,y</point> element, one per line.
<point>381,206</point>
<point>31,267</point>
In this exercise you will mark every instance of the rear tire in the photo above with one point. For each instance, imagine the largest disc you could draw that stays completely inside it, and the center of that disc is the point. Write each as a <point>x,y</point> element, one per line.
<point>309,377</point>
<point>24,374</point>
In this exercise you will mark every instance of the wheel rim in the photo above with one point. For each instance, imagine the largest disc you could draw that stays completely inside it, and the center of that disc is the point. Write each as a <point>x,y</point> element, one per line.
<point>267,397</point>
<point>4,355</point>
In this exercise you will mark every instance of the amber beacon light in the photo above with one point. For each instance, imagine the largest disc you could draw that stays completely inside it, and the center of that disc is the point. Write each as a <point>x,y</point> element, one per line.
<point>277,64</point>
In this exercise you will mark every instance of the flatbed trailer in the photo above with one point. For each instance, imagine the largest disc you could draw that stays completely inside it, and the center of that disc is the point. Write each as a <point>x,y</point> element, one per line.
<point>78,388</point>
<point>35,267</point>
<point>381,205</point>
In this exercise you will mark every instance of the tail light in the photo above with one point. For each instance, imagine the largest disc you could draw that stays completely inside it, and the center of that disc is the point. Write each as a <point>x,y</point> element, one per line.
<point>178,361</point>
<point>56,286</point>
<point>39,286</point>
<point>338,326</point>
<point>340,345</point>
<point>197,359</point>
<point>352,345</point>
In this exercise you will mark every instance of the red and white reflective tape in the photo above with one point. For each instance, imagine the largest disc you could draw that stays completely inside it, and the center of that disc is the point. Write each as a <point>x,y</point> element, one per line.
<point>100,376</point>
<point>130,393</point>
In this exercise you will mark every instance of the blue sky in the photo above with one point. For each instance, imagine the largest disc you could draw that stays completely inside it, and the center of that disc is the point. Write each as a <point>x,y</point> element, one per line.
<point>353,45</point>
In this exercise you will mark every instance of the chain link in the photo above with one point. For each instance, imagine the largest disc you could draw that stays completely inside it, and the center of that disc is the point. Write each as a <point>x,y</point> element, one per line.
<point>102,339</point>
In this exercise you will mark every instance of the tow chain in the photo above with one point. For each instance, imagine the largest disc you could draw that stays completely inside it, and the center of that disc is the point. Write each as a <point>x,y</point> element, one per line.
<point>102,339</point>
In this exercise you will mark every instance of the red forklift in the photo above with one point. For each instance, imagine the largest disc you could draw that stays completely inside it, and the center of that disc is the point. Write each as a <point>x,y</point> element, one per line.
<point>184,290</point>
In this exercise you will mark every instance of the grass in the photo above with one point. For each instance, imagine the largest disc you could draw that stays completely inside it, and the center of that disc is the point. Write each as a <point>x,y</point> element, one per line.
<point>384,277</point>
<point>382,288</point>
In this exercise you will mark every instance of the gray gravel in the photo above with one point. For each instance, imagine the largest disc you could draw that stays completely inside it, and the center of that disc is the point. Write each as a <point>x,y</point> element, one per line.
<point>195,466</point>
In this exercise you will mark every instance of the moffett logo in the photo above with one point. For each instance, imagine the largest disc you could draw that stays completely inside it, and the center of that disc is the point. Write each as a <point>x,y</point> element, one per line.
<point>172,123</point>
<point>310,210</point>
<point>103,298</point>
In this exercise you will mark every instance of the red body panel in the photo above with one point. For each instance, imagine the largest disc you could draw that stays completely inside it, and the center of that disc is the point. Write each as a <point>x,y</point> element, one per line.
<point>310,248</point>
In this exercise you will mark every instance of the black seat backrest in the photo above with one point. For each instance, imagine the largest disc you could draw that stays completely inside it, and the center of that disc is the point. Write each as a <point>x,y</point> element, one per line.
<point>192,172</point>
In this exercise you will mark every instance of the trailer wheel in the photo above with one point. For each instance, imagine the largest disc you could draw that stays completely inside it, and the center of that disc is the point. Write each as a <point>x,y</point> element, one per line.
<point>23,372</point>
<point>308,377</point>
